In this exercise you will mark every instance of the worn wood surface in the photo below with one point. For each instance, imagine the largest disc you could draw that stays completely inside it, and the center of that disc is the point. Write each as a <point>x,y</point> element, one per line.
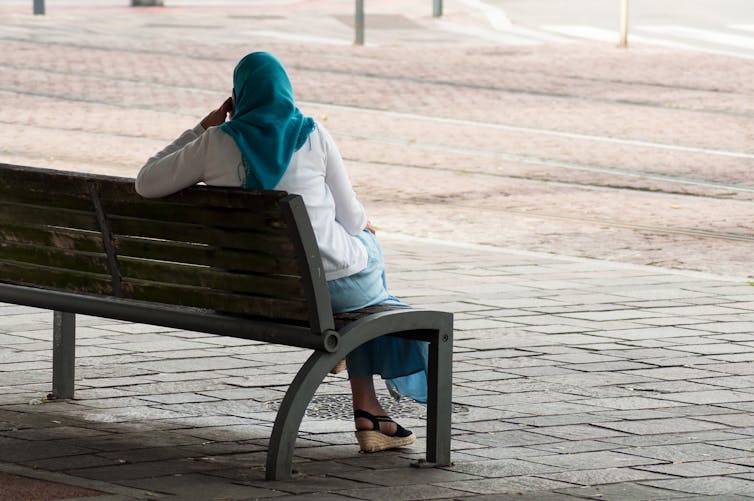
<point>284,309</point>
<point>61,238</point>
<point>264,220</point>
<point>250,239</point>
<point>34,215</point>
<point>55,278</point>
<point>219,248</point>
<point>214,278</point>
<point>54,257</point>
<point>55,197</point>
<point>206,255</point>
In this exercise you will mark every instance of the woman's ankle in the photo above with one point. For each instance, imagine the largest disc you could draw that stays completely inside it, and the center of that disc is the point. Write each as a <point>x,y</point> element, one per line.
<point>378,420</point>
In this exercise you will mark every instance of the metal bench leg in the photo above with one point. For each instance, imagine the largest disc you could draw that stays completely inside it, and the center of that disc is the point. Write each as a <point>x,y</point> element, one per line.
<point>439,387</point>
<point>291,412</point>
<point>63,354</point>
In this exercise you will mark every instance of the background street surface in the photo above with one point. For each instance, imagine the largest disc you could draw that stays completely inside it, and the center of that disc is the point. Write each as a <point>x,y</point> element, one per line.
<point>640,155</point>
<point>586,211</point>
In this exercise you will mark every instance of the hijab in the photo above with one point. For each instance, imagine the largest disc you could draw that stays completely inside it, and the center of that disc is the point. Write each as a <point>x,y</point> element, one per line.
<point>266,124</point>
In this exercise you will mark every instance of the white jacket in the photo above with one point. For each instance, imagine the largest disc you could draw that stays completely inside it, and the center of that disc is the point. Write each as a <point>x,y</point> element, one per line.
<point>316,172</point>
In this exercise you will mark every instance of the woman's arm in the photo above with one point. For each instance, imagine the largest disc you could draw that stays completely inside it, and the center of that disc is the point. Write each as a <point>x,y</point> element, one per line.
<point>181,163</point>
<point>174,168</point>
<point>348,210</point>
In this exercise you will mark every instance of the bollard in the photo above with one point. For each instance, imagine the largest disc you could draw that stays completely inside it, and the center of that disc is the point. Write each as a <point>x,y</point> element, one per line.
<point>39,7</point>
<point>359,23</point>
<point>437,8</point>
<point>623,42</point>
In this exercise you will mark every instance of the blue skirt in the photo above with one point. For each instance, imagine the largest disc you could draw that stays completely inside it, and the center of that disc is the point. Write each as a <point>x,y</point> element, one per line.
<point>402,363</point>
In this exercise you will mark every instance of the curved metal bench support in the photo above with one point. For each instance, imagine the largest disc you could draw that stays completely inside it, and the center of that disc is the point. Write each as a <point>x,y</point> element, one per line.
<point>435,327</point>
<point>291,412</point>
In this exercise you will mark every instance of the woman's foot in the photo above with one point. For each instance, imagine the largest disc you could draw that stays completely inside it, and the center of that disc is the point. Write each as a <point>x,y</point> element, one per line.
<point>339,367</point>
<point>379,433</point>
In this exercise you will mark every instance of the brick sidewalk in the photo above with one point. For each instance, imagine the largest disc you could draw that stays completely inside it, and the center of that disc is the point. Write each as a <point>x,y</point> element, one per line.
<point>574,378</point>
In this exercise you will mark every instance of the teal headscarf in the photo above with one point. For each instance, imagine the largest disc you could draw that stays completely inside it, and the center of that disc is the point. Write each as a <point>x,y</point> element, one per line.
<point>266,124</point>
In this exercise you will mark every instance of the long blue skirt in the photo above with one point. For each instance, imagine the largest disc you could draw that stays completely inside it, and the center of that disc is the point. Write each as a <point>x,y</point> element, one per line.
<point>402,363</point>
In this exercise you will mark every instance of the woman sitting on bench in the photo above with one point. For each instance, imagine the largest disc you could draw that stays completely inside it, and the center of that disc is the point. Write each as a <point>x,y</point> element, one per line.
<point>266,143</point>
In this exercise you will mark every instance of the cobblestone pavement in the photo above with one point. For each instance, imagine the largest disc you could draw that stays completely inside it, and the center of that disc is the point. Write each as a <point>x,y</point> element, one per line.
<point>575,378</point>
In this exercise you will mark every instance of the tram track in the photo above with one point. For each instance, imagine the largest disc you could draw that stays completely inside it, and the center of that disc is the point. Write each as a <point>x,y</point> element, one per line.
<point>398,115</point>
<point>367,57</point>
<point>386,113</point>
<point>668,230</point>
<point>553,211</point>
<point>606,186</point>
<point>488,127</point>
<point>534,130</point>
<point>545,163</point>
<point>479,152</point>
<point>482,206</point>
<point>446,82</point>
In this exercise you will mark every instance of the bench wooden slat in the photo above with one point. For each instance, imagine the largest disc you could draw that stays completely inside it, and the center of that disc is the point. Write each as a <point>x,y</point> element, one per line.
<point>64,238</point>
<point>61,198</point>
<point>182,249</point>
<point>213,278</point>
<point>181,252</point>
<point>213,217</point>
<point>57,278</point>
<point>194,233</point>
<point>119,189</point>
<point>54,216</point>
<point>33,179</point>
<point>54,257</point>
<point>30,180</point>
<point>202,297</point>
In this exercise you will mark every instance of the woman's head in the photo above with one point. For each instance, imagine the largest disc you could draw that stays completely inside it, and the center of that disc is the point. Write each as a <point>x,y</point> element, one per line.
<point>266,125</point>
<point>260,79</point>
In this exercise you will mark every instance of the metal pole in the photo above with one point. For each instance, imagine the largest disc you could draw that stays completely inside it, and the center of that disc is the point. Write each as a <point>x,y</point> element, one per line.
<point>437,8</point>
<point>623,24</point>
<point>39,7</point>
<point>63,354</point>
<point>359,23</point>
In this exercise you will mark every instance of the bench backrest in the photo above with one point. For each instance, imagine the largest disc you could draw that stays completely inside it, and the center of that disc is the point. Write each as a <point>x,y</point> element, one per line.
<point>231,250</point>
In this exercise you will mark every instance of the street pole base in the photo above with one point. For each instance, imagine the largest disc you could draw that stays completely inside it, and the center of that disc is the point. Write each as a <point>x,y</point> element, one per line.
<point>147,3</point>
<point>422,463</point>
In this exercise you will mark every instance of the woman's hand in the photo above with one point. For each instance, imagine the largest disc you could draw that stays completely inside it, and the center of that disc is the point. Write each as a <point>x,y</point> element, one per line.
<point>218,116</point>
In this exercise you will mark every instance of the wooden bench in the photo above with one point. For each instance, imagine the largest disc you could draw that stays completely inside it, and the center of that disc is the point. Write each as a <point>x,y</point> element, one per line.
<point>215,260</point>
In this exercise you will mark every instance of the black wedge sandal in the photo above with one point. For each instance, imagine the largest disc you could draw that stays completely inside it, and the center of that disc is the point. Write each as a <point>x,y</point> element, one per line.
<point>374,440</point>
